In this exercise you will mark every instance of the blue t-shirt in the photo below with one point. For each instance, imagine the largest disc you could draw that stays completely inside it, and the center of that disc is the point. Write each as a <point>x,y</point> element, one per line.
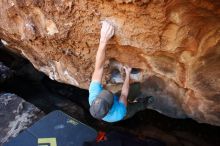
<point>118,110</point>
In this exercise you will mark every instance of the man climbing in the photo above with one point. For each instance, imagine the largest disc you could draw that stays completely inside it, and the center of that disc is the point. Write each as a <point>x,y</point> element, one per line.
<point>105,105</point>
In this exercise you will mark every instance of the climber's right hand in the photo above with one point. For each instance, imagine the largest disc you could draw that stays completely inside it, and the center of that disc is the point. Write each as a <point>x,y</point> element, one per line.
<point>107,31</point>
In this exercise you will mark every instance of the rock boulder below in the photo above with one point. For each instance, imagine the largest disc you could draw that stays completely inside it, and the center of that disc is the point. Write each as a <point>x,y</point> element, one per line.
<point>16,115</point>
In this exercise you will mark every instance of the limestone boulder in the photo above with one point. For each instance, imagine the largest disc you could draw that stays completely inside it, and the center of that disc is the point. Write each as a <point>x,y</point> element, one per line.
<point>173,47</point>
<point>16,115</point>
<point>5,73</point>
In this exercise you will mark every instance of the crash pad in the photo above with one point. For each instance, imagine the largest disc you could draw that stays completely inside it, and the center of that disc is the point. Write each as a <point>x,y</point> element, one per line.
<point>55,129</point>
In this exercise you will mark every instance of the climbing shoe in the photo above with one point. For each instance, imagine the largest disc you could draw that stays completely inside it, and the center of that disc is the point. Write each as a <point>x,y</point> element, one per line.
<point>145,100</point>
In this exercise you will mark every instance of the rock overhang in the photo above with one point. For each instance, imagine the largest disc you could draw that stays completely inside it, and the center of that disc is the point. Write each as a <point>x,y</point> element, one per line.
<point>173,44</point>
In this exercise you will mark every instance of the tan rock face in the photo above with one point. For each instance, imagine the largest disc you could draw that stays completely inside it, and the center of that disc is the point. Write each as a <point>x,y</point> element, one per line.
<point>173,46</point>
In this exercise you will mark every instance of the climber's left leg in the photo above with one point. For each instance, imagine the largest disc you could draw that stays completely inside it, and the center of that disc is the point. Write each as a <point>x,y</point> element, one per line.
<point>140,105</point>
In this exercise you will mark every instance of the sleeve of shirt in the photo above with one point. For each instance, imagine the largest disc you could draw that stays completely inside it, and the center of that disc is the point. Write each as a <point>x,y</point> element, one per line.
<point>121,111</point>
<point>117,114</point>
<point>94,89</point>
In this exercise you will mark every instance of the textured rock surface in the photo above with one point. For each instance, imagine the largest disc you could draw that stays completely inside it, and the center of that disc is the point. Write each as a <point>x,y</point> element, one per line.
<point>16,115</point>
<point>5,73</point>
<point>174,44</point>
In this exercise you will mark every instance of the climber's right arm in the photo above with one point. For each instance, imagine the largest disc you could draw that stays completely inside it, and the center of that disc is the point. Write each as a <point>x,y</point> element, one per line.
<point>107,32</point>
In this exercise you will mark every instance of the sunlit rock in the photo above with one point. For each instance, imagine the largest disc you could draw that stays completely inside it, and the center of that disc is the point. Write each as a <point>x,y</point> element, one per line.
<point>175,45</point>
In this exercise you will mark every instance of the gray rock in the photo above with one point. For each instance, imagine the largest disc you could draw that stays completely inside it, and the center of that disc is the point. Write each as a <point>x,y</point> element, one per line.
<point>5,72</point>
<point>16,115</point>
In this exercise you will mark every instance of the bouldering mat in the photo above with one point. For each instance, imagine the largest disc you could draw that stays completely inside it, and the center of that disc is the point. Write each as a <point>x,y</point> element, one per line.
<point>55,129</point>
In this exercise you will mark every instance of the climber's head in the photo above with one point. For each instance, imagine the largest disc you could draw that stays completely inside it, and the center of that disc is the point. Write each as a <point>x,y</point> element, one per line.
<point>102,104</point>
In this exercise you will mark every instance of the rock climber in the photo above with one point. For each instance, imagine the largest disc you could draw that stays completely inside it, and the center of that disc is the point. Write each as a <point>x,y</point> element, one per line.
<point>104,105</point>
